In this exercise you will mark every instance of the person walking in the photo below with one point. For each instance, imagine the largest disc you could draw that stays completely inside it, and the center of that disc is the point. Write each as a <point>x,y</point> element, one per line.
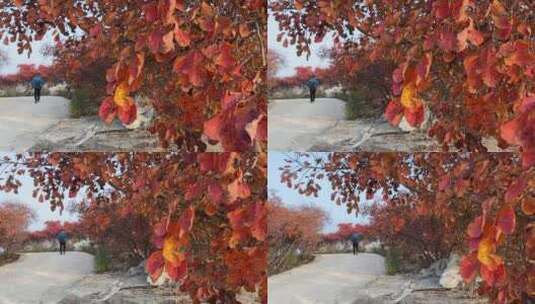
<point>355,238</point>
<point>62,239</point>
<point>312,85</point>
<point>37,84</point>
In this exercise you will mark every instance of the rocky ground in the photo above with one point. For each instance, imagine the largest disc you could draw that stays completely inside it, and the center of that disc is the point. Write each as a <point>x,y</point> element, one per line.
<point>377,135</point>
<point>128,288</point>
<point>438,284</point>
<point>91,134</point>
<point>411,289</point>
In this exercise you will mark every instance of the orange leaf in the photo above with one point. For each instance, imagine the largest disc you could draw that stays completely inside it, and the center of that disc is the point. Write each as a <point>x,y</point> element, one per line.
<point>120,97</point>
<point>528,206</point>
<point>509,132</point>
<point>172,251</point>
<point>485,254</point>
<point>408,97</point>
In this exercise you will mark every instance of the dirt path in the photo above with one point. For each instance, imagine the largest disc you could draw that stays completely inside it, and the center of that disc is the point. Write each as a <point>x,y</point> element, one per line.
<point>298,125</point>
<point>330,279</point>
<point>21,121</point>
<point>42,277</point>
<point>295,123</point>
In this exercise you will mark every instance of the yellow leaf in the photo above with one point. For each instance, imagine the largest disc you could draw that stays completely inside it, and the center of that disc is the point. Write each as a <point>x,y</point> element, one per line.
<point>121,97</point>
<point>408,97</point>
<point>172,251</point>
<point>486,256</point>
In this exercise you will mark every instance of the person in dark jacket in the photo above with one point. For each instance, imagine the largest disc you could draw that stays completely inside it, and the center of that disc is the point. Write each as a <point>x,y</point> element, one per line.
<point>313,84</point>
<point>62,238</point>
<point>37,84</point>
<point>355,238</point>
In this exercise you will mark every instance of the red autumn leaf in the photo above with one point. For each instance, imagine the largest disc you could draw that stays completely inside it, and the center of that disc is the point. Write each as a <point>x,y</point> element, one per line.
<point>394,112</point>
<point>177,273</point>
<point>415,117</point>
<point>160,229</point>
<point>186,220</point>
<point>515,189</point>
<point>218,162</point>
<point>506,220</point>
<point>182,37</point>
<point>475,229</point>
<point>238,189</point>
<point>493,277</point>
<point>193,191</point>
<point>212,128</point>
<point>107,110</point>
<point>528,159</point>
<point>95,31</point>
<point>259,227</point>
<point>155,41</point>
<point>225,59</point>
<point>155,264</point>
<point>127,114</point>
<point>444,183</point>
<point>151,12</point>
<point>215,192</point>
<point>469,267</point>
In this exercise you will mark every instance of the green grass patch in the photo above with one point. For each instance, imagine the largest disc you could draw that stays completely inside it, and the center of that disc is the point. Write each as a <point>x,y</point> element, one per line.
<point>359,105</point>
<point>393,261</point>
<point>102,260</point>
<point>82,103</point>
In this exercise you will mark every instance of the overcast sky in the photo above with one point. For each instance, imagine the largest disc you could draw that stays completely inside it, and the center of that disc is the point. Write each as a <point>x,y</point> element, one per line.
<point>337,214</point>
<point>15,59</point>
<point>25,196</point>
<point>291,59</point>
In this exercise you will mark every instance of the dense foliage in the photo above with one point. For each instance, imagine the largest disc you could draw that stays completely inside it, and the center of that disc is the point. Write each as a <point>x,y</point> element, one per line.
<point>293,233</point>
<point>479,204</point>
<point>470,63</point>
<point>14,221</point>
<point>52,228</point>
<point>201,64</point>
<point>345,230</point>
<point>24,74</point>
<point>207,211</point>
<point>301,76</point>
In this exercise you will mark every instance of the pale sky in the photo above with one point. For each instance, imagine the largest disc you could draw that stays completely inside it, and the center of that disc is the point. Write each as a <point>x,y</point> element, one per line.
<point>337,214</point>
<point>25,196</point>
<point>291,59</point>
<point>15,59</point>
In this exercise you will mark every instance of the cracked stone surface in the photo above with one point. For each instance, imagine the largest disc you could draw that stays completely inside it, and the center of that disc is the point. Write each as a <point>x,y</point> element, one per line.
<point>300,126</point>
<point>91,134</point>
<point>122,288</point>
